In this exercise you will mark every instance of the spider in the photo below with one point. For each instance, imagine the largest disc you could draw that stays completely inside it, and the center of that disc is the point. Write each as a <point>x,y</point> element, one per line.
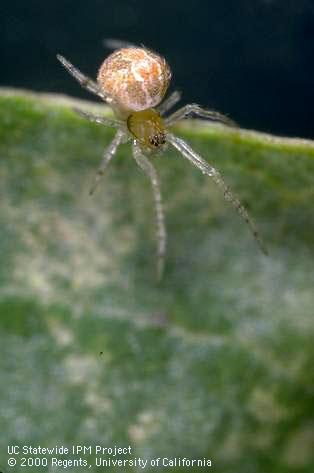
<point>133,81</point>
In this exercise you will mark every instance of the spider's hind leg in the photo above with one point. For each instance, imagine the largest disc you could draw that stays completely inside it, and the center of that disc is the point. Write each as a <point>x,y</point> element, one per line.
<point>98,118</point>
<point>170,101</point>
<point>83,80</point>
<point>193,109</point>
<point>113,43</point>
<point>151,172</point>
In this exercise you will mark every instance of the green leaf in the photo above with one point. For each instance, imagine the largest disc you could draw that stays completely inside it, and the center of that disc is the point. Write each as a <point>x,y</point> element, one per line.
<point>216,361</point>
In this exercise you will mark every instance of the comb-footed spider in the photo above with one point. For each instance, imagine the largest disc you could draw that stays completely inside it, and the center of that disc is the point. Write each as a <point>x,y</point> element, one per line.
<point>133,82</point>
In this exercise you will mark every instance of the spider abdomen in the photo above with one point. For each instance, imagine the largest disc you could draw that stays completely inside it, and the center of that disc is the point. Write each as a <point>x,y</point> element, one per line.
<point>135,78</point>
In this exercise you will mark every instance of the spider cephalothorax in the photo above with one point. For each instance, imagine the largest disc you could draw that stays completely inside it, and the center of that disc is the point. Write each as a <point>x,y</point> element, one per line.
<point>148,128</point>
<point>133,82</point>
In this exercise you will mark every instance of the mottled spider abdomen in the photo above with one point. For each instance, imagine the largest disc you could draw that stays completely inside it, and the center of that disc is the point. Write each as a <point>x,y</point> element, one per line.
<point>135,78</point>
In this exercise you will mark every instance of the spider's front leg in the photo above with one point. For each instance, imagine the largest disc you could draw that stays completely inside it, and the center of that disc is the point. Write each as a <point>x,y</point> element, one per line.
<point>193,109</point>
<point>112,148</point>
<point>150,171</point>
<point>83,80</point>
<point>188,153</point>
<point>108,155</point>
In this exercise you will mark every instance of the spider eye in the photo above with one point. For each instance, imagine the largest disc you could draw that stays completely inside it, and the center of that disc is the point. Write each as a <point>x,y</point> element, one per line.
<point>157,140</point>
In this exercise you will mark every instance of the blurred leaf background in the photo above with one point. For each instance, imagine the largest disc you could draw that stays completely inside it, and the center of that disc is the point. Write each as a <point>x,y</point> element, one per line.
<point>217,360</point>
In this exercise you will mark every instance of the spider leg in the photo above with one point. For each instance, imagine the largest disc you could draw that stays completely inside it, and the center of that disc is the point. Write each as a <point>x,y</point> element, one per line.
<point>112,43</point>
<point>206,168</point>
<point>150,171</point>
<point>194,109</point>
<point>169,102</point>
<point>108,154</point>
<point>98,119</point>
<point>83,80</point>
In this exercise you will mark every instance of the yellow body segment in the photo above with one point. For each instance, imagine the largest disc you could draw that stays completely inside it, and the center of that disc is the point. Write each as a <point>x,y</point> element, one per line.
<point>148,128</point>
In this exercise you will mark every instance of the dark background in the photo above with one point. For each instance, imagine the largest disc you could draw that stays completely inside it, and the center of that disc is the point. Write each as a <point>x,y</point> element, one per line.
<point>251,59</point>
